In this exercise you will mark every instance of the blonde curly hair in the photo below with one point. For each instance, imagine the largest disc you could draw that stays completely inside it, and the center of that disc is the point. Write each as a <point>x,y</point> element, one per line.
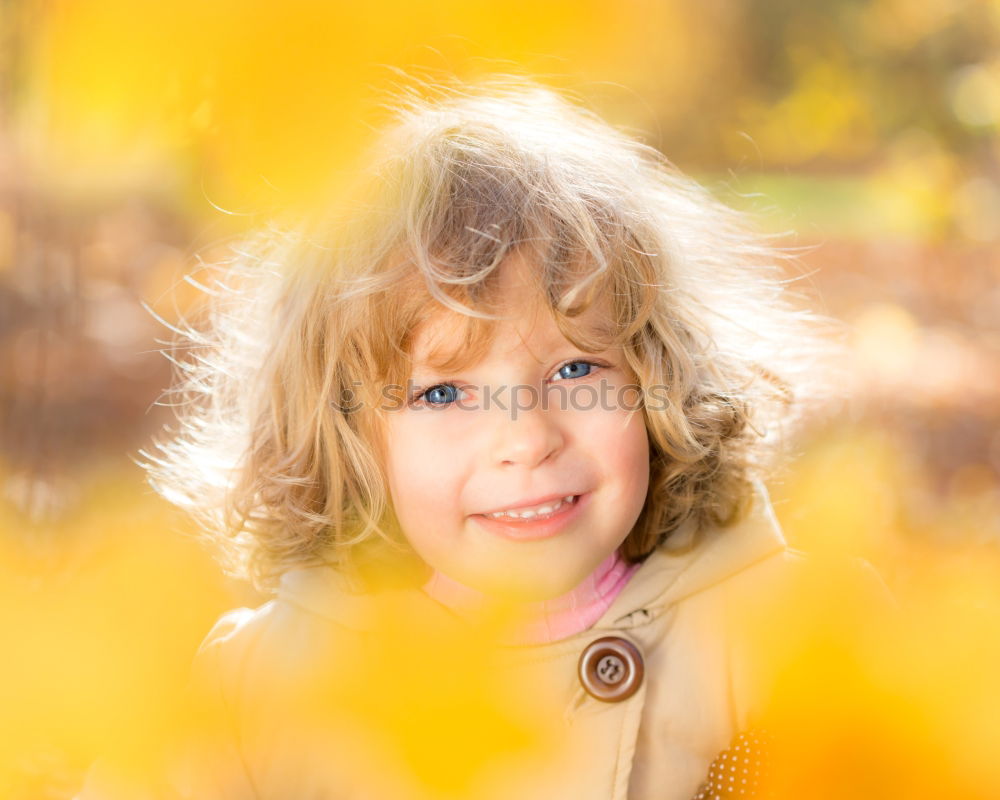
<point>278,449</point>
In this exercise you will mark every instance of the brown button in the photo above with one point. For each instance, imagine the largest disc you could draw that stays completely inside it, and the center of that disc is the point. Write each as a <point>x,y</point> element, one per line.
<point>611,669</point>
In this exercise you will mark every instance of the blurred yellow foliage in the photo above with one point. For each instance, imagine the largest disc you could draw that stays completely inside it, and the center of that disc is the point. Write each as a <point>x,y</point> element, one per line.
<point>824,113</point>
<point>901,24</point>
<point>897,701</point>
<point>101,617</point>
<point>269,102</point>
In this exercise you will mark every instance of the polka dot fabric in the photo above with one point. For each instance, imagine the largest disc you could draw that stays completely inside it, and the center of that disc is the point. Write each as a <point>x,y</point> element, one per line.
<point>739,772</point>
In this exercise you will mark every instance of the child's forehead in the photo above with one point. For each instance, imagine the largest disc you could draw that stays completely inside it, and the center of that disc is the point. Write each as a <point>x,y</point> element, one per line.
<point>446,331</point>
<point>450,338</point>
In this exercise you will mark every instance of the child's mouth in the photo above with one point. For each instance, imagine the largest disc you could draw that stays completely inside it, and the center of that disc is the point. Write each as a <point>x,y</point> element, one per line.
<point>533,522</point>
<point>540,511</point>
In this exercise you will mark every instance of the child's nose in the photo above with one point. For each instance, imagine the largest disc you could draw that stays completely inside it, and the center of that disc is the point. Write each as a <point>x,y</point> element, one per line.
<point>527,437</point>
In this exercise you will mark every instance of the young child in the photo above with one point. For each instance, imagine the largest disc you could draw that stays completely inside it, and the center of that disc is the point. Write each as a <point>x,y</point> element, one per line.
<point>492,434</point>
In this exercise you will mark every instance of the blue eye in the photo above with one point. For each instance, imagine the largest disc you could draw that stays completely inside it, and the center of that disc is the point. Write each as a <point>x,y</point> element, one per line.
<point>575,369</point>
<point>441,394</point>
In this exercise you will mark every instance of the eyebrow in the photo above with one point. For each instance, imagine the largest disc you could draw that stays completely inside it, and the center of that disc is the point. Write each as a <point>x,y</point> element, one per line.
<point>449,346</point>
<point>433,372</point>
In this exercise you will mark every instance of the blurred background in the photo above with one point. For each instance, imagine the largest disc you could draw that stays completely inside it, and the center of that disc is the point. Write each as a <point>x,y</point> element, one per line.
<point>137,139</point>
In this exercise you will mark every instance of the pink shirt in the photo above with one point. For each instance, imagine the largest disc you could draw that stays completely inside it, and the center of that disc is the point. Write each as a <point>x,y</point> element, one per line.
<point>548,620</point>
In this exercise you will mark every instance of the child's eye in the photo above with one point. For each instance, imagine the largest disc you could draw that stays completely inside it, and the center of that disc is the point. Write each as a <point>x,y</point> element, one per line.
<point>574,369</point>
<point>439,395</point>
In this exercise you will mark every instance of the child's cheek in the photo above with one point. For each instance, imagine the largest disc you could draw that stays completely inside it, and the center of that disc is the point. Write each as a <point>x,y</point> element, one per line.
<point>438,427</point>
<point>427,450</point>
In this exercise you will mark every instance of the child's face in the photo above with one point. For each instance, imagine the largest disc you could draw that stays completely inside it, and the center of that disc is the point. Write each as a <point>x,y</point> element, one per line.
<point>455,456</point>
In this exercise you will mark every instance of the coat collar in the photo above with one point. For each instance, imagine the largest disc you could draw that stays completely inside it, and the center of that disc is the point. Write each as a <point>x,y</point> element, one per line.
<point>669,576</point>
<point>666,577</point>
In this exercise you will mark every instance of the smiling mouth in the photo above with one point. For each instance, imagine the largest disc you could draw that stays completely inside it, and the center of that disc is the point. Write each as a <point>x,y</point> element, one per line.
<point>536,512</point>
<point>532,523</point>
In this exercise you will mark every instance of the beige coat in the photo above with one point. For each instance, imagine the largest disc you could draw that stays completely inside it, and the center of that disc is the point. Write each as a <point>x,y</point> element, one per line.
<point>681,610</point>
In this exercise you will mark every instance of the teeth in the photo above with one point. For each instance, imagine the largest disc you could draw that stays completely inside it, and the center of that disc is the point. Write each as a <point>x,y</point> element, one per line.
<point>537,511</point>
